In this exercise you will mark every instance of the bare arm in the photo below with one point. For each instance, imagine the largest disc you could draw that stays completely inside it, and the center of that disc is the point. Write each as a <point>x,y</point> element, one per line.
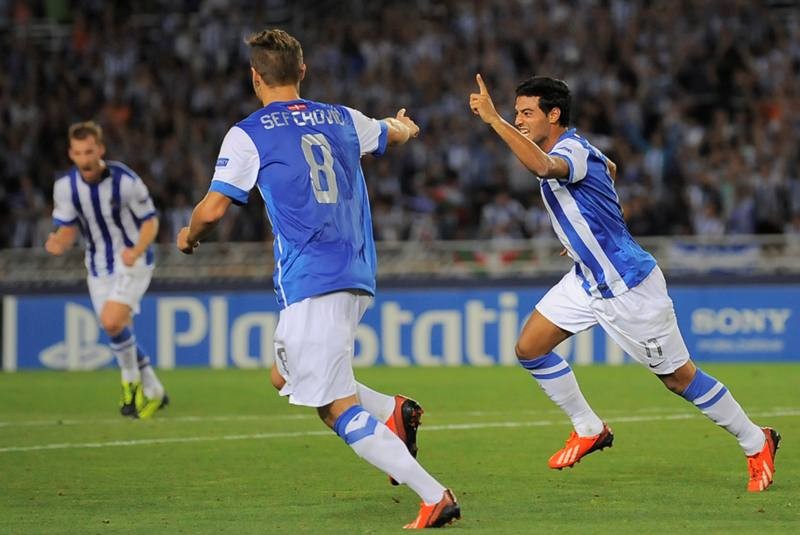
<point>532,157</point>
<point>401,128</point>
<point>205,217</point>
<point>612,169</point>
<point>147,234</point>
<point>62,239</point>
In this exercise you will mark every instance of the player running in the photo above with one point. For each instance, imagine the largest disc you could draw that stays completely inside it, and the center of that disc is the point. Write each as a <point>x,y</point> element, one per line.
<point>304,158</point>
<point>110,206</point>
<point>614,282</point>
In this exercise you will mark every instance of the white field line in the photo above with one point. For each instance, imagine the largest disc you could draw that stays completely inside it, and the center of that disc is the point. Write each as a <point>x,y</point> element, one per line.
<point>309,416</point>
<point>114,421</point>
<point>427,428</point>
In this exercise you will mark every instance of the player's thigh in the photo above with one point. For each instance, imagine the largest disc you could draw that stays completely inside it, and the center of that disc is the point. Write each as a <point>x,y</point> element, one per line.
<point>314,345</point>
<point>563,311</point>
<point>643,322</point>
<point>130,285</point>
<point>99,290</point>
<point>115,316</point>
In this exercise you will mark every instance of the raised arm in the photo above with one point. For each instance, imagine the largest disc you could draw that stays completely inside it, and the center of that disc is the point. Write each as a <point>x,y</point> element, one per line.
<point>532,157</point>
<point>401,128</point>
<point>612,169</point>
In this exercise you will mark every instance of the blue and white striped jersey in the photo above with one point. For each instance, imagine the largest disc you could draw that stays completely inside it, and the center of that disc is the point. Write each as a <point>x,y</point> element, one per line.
<point>305,159</point>
<point>108,213</point>
<point>586,215</point>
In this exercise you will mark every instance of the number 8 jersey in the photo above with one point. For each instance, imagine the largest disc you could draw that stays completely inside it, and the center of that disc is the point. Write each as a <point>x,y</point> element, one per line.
<point>305,159</point>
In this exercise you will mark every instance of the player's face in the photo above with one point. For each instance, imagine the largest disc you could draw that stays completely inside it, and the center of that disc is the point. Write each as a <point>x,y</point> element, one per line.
<point>87,155</point>
<point>531,120</point>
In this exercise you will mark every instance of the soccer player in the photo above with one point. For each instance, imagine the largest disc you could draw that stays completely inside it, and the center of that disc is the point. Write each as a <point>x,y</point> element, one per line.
<point>110,206</point>
<point>613,283</point>
<point>304,158</point>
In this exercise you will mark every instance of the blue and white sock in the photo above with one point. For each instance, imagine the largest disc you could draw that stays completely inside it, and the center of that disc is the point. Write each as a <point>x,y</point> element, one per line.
<point>123,345</point>
<point>152,387</point>
<point>376,444</point>
<point>377,404</point>
<point>555,377</point>
<point>714,400</point>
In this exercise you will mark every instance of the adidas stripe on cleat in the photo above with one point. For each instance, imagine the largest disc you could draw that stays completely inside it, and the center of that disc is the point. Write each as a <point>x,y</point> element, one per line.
<point>578,447</point>
<point>404,421</point>
<point>437,515</point>
<point>762,465</point>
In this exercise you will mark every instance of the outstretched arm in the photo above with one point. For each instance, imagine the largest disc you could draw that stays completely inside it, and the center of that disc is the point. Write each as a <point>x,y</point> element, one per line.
<point>204,218</point>
<point>401,128</point>
<point>612,169</point>
<point>528,152</point>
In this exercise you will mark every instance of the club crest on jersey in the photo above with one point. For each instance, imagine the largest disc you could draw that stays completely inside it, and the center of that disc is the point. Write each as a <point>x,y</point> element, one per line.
<point>296,107</point>
<point>222,162</point>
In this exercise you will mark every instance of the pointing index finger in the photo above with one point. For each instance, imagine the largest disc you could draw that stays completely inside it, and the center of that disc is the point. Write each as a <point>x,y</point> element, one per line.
<point>481,85</point>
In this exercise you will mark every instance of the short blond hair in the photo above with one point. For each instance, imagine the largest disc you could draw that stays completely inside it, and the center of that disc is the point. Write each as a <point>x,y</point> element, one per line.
<point>85,129</point>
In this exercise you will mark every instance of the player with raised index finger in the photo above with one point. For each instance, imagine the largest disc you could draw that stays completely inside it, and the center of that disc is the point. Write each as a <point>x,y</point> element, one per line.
<point>613,282</point>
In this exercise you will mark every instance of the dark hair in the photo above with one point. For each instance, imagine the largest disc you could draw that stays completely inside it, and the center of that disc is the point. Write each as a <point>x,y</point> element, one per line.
<point>86,129</point>
<point>552,93</point>
<point>276,56</point>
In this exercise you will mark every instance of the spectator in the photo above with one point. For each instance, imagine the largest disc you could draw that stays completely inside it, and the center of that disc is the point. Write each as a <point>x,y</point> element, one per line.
<point>688,103</point>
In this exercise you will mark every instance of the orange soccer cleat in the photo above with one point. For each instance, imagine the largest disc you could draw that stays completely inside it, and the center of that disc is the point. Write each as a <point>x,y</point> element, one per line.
<point>577,447</point>
<point>438,514</point>
<point>762,464</point>
<point>403,422</point>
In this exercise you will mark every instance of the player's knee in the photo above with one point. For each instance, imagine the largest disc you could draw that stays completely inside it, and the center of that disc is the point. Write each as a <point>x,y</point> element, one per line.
<point>112,324</point>
<point>674,382</point>
<point>527,350</point>
<point>326,415</point>
<point>680,379</point>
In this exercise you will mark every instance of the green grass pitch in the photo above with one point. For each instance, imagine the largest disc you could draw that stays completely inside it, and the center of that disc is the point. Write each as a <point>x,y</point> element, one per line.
<point>230,456</point>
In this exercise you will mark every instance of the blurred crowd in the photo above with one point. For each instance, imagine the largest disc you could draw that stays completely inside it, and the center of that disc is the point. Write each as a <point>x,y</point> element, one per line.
<point>698,103</point>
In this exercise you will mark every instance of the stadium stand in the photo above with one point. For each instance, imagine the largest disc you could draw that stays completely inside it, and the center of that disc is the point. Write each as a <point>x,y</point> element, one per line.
<point>698,104</point>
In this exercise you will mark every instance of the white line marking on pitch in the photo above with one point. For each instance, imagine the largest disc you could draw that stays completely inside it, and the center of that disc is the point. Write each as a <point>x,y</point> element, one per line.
<point>305,416</point>
<point>427,428</point>
<point>114,421</point>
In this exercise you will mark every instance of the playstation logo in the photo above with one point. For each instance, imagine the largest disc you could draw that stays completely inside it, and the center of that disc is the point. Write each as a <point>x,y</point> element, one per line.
<point>80,349</point>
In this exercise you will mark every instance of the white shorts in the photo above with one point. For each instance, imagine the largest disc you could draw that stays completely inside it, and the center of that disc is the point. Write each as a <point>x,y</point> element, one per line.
<point>314,346</point>
<point>642,320</point>
<point>127,285</point>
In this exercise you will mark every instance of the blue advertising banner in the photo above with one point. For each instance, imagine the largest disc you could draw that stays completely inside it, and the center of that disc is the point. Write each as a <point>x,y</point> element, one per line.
<point>420,327</point>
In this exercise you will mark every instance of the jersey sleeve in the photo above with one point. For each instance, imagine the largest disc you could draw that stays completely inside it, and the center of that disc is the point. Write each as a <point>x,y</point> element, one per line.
<point>64,212</point>
<point>373,134</point>
<point>139,200</point>
<point>237,166</point>
<point>576,156</point>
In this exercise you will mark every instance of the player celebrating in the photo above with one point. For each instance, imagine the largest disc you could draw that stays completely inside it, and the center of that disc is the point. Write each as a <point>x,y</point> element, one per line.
<point>614,282</point>
<point>304,157</point>
<point>111,207</point>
